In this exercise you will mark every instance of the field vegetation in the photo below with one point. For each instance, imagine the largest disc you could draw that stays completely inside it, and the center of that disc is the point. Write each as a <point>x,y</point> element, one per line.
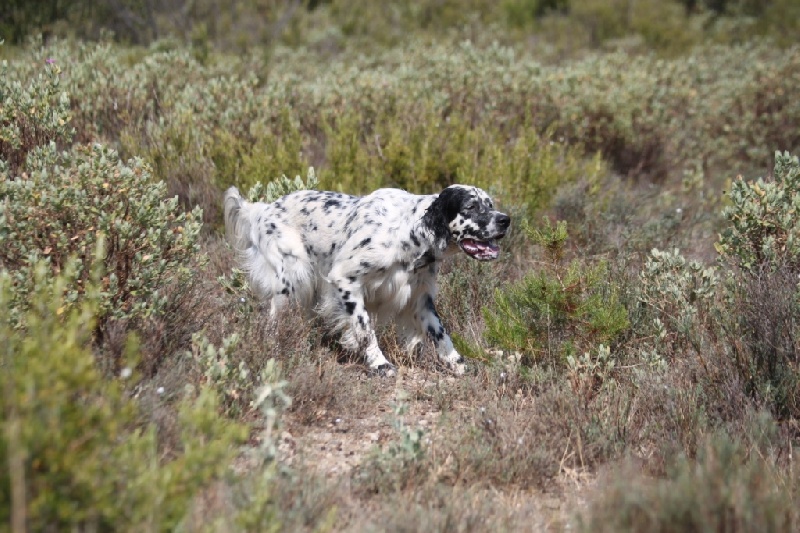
<point>634,355</point>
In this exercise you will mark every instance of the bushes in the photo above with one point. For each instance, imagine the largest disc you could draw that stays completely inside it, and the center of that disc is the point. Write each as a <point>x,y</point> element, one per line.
<point>421,117</point>
<point>65,200</point>
<point>33,114</point>
<point>728,487</point>
<point>54,204</point>
<point>761,245</point>
<point>763,225</point>
<point>78,456</point>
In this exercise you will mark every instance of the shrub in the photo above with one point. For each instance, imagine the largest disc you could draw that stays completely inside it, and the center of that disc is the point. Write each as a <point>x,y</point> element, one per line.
<point>564,310</point>
<point>676,305</point>
<point>78,457</point>
<point>280,187</point>
<point>393,468</point>
<point>726,488</point>
<point>762,244</point>
<point>61,205</point>
<point>32,115</point>
<point>765,337</point>
<point>763,226</point>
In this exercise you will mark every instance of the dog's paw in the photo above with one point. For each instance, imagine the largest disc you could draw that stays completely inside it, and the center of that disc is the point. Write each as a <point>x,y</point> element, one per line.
<point>386,370</point>
<point>457,365</point>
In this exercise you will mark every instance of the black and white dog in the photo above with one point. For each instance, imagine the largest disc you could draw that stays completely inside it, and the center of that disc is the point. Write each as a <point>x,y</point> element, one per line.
<point>356,260</point>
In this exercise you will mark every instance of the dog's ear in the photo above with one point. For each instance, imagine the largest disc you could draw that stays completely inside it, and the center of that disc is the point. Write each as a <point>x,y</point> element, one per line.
<point>444,209</point>
<point>450,201</point>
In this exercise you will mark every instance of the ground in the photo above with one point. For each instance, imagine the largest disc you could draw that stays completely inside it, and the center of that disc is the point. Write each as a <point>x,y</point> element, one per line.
<point>335,444</point>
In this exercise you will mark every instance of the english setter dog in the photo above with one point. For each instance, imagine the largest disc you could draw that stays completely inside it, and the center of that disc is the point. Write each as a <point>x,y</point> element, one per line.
<point>357,261</point>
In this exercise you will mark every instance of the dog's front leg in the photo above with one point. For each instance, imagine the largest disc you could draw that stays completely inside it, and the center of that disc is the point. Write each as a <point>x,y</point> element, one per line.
<point>430,323</point>
<point>358,334</point>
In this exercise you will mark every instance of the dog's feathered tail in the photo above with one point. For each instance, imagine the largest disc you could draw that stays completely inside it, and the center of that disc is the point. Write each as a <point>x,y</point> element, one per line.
<point>237,227</point>
<point>278,266</point>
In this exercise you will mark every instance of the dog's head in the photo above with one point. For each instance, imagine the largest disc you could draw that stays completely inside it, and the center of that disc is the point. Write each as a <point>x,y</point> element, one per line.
<point>472,221</point>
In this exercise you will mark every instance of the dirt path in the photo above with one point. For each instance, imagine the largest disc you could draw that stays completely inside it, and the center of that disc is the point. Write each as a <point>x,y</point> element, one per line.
<point>334,446</point>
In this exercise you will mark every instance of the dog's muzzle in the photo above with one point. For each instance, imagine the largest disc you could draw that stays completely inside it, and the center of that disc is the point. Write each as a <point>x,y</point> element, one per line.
<point>487,250</point>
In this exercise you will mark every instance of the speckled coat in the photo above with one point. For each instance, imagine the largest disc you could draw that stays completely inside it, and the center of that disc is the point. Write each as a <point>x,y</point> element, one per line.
<point>360,260</point>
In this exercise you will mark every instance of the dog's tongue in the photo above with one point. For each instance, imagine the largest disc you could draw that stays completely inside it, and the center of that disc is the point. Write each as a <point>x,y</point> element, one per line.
<point>480,249</point>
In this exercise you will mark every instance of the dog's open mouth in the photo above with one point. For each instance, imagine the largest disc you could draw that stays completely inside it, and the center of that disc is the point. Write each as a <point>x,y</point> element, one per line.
<point>480,250</point>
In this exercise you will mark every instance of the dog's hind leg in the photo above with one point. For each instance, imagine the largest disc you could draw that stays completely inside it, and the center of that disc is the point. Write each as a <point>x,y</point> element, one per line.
<point>345,311</point>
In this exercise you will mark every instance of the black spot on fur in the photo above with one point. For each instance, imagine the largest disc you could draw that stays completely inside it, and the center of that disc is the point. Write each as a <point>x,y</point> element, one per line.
<point>436,335</point>
<point>429,304</point>
<point>426,259</point>
<point>350,307</point>
<point>414,239</point>
<point>364,242</point>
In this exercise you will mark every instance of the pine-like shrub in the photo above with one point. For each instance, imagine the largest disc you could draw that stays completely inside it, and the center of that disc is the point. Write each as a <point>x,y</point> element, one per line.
<point>563,310</point>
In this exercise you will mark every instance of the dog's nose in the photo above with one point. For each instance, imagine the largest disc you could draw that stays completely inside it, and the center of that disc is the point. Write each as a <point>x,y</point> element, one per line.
<point>503,221</point>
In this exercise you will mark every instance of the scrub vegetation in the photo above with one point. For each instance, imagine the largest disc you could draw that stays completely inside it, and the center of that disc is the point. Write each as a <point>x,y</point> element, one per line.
<point>634,354</point>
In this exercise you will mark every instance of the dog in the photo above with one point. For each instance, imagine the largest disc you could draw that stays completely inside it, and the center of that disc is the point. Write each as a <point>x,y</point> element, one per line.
<point>358,261</point>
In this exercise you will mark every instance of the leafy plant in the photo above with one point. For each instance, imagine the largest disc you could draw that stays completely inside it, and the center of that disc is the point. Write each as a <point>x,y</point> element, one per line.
<point>561,311</point>
<point>281,187</point>
<point>762,244</point>
<point>67,200</point>
<point>763,224</point>
<point>676,304</point>
<point>33,114</point>
<point>393,467</point>
<point>78,455</point>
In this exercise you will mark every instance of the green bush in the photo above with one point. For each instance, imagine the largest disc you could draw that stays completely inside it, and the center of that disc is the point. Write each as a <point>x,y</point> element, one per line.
<point>61,205</point>
<point>762,245</point>
<point>55,203</point>
<point>77,455</point>
<point>564,310</point>
<point>676,305</point>
<point>33,113</point>
<point>763,228</point>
